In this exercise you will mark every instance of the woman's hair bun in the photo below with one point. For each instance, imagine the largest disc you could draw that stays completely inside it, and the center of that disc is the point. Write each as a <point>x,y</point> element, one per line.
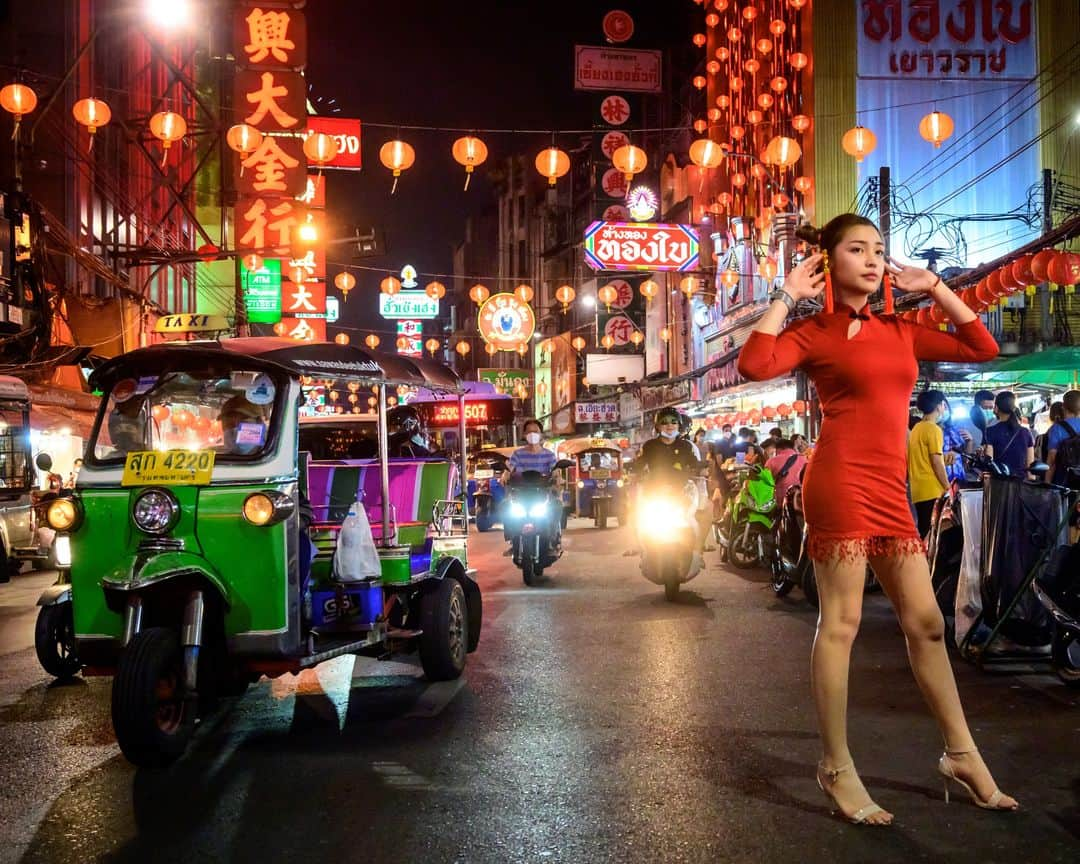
<point>806,231</point>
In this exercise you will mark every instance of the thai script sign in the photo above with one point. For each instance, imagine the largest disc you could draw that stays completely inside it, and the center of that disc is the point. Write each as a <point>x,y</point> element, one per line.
<point>347,135</point>
<point>974,39</point>
<point>599,68</point>
<point>596,412</point>
<point>408,304</point>
<point>507,381</point>
<point>641,246</point>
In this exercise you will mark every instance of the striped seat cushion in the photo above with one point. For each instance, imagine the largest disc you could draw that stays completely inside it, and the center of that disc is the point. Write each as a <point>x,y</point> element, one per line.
<point>415,486</point>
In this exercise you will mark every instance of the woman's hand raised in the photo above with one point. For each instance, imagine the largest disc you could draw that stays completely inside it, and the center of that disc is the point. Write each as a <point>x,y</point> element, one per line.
<point>912,280</point>
<point>806,280</point>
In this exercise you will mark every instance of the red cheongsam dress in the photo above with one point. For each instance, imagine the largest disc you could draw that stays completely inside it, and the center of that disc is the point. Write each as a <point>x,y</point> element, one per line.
<point>854,490</point>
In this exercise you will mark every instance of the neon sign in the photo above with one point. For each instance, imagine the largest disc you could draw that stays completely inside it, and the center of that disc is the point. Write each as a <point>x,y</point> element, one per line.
<point>478,412</point>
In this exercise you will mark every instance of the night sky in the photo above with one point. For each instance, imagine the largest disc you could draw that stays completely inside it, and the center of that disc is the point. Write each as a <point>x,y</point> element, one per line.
<point>484,64</point>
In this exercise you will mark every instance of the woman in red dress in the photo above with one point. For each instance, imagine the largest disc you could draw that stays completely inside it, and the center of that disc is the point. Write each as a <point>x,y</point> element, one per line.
<point>855,499</point>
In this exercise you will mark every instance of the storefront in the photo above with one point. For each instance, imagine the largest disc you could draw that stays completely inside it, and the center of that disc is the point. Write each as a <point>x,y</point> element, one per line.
<point>60,425</point>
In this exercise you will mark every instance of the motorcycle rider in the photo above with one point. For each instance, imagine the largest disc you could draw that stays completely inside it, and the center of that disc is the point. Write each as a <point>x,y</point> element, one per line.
<point>534,456</point>
<point>670,459</point>
<point>406,433</point>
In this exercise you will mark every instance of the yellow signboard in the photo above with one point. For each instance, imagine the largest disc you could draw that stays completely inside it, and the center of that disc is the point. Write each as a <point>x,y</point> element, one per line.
<point>168,468</point>
<point>190,323</point>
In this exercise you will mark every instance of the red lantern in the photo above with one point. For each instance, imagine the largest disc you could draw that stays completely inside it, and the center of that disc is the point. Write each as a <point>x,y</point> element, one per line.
<point>1039,262</point>
<point>969,298</point>
<point>783,409</point>
<point>937,314</point>
<point>208,252</point>
<point>1021,270</point>
<point>798,61</point>
<point>800,122</point>
<point>160,413</point>
<point>803,184</point>
<point>983,293</point>
<point>1008,283</point>
<point>993,285</point>
<point>1064,269</point>
<point>768,412</point>
<point>798,406</point>
<point>741,417</point>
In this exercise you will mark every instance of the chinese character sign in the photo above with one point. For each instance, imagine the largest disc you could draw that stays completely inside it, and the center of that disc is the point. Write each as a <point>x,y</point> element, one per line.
<point>596,412</point>
<point>277,167</point>
<point>270,38</point>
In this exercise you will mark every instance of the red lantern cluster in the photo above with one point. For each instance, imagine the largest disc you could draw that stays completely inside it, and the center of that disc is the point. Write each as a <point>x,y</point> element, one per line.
<point>754,57</point>
<point>1059,269</point>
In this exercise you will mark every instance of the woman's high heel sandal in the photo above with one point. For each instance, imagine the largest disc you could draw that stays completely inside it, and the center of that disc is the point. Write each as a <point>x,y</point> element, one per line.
<point>826,777</point>
<point>945,769</point>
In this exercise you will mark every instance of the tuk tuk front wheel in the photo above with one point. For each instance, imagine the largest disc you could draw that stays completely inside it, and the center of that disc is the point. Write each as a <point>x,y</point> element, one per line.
<point>444,618</point>
<point>152,718</point>
<point>54,641</point>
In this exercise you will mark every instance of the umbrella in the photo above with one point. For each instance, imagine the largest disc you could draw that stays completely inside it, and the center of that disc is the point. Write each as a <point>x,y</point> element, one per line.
<point>1059,367</point>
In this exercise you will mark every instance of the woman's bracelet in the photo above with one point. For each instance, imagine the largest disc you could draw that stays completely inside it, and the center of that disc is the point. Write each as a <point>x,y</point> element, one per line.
<point>785,298</point>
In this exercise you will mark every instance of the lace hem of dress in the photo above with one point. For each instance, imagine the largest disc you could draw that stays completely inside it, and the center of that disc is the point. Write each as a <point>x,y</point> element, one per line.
<point>828,549</point>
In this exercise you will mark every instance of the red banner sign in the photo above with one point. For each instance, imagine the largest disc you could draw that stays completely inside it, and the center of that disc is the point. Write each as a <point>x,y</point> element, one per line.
<point>347,135</point>
<point>478,412</point>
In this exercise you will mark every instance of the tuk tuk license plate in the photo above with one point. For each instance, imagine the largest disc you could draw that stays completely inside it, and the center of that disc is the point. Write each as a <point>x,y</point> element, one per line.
<point>168,468</point>
<point>484,473</point>
<point>600,474</point>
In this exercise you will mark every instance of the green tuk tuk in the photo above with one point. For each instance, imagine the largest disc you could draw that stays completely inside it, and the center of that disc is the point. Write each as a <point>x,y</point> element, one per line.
<point>203,541</point>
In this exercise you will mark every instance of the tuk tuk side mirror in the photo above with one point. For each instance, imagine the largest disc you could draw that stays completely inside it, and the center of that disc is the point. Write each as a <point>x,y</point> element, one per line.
<point>1038,467</point>
<point>563,464</point>
<point>43,462</point>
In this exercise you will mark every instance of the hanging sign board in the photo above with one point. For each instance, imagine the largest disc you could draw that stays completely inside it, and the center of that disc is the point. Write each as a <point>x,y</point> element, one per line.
<point>596,412</point>
<point>622,69</point>
<point>506,322</point>
<point>408,304</point>
<point>506,381</point>
<point>346,133</point>
<point>478,412</point>
<point>262,292</point>
<point>641,246</point>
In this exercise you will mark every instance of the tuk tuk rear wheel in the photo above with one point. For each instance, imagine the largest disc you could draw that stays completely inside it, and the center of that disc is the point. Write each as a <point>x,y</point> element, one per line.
<point>444,618</point>
<point>54,641</point>
<point>152,718</point>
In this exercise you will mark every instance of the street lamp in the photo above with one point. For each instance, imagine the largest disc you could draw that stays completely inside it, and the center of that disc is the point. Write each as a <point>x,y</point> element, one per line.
<point>589,301</point>
<point>169,14</point>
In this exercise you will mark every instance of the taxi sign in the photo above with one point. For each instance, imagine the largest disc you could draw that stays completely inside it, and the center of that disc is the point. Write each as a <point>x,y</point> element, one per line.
<point>168,468</point>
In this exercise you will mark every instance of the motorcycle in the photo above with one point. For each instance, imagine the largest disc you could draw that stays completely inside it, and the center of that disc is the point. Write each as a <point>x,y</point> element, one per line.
<point>532,522</point>
<point>746,531</point>
<point>791,565</point>
<point>667,530</point>
<point>1058,589</point>
<point>486,490</point>
<point>54,630</point>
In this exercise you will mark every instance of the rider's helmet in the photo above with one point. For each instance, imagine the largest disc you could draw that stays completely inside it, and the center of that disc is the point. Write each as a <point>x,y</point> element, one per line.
<point>404,418</point>
<point>684,424</point>
<point>665,415</point>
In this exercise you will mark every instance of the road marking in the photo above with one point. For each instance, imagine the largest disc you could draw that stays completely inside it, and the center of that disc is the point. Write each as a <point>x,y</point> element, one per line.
<point>436,697</point>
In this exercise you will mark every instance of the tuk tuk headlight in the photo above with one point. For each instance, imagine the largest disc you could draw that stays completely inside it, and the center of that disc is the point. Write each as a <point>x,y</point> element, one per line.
<point>267,508</point>
<point>538,510</point>
<point>62,550</point>
<point>155,511</point>
<point>63,514</point>
<point>580,484</point>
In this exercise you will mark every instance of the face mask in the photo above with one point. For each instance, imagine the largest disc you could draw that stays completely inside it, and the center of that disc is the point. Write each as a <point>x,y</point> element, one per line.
<point>533,437</point>
<point>418,440</point>
<point>669,435</point>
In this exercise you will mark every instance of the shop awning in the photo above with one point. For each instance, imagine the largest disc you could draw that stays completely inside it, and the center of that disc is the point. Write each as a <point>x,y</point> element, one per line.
<point>55,420</point>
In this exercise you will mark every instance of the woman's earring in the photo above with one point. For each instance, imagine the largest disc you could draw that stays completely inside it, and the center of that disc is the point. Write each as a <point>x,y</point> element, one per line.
<point>886,288</point>
<point>828,300</point>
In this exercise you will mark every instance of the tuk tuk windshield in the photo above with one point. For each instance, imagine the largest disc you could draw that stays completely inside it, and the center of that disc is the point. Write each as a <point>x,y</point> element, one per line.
<point>14,448</point>
<point>227,412</point>
<point>604,460</point>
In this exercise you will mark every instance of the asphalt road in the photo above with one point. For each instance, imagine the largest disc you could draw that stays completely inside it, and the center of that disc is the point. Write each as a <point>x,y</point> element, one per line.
<point>595,723</point>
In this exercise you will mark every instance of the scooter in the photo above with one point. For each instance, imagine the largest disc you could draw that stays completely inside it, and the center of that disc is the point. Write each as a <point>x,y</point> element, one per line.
<point>790,563</point>
<point>54,631</point>
<point>532,522</point>
<point>486,499</point>
<point>1058,589</point>
<point>666,521</point>
<point>746,531</point>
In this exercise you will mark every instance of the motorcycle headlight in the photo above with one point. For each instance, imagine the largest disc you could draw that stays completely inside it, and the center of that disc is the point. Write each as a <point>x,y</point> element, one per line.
<point>62,550</point>
<point>580,484</point>
<point>538,510</point>
<point>619,483</point>
<point>63,514</point>
<point>662,520</point>
<point>517,510</point>
<point>155,511</point>
<point>766,506</point>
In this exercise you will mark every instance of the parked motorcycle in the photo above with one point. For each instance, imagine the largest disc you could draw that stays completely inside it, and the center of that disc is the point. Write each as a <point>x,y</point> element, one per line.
<point>746,530</point>
<point>1058,589</point>
<point>532,521</point>
<point>791,565</point>
<point>666,520</point>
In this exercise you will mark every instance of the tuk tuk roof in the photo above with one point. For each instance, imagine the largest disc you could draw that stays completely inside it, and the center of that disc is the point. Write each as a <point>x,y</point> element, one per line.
<point>574,446</point>
<point>321,359</point>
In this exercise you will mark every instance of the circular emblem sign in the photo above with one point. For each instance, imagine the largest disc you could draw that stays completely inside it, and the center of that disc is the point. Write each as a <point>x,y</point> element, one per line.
<point>614,110</point>
<point>616,213</point>
<point>506,322</point>
<point>612,141</point>
<point>618,26</point>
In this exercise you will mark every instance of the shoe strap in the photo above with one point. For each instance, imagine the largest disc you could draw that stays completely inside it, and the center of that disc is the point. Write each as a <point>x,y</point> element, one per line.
<point>864,813</point>
<point>961,752</point>
<point>832,773</point>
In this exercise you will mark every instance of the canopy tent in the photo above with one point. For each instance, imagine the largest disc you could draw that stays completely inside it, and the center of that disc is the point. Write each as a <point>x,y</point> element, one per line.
<point>1053,367</point>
